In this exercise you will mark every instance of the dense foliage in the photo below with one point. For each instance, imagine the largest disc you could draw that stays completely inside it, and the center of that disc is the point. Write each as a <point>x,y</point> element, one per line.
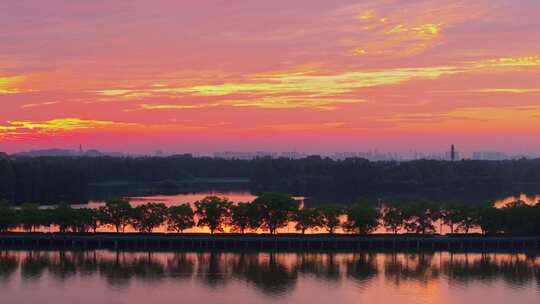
<point>353,178</point>
<point>51,180</point>
<point>46,180</point>
<point>272,212</point>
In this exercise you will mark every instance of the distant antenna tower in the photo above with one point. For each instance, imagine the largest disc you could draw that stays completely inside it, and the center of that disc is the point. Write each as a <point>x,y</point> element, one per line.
<point>453,153</point>
<point>80,149</point>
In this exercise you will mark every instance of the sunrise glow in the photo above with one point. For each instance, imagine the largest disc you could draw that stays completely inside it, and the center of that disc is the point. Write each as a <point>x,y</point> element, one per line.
<point>197,76</point>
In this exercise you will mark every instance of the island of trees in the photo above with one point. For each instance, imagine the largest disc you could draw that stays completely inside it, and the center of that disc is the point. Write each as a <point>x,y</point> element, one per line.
<point>270,212</point>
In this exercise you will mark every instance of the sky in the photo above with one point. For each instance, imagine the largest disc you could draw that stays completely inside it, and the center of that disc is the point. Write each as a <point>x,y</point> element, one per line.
<point>282,75</point>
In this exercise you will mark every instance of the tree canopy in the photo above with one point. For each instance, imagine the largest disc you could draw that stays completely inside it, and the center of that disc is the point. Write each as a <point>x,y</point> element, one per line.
<point>276,210</point>
<point>213,212</point>
<point>272,212</point>
<point>52,180</point>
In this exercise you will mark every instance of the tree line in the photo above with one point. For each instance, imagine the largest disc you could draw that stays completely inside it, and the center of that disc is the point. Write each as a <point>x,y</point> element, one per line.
<point>50,180</point>
<point>270,212</point>
<point>352,178</point>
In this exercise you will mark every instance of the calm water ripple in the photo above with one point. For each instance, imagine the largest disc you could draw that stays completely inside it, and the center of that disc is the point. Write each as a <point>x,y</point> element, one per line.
<point>263,277</point>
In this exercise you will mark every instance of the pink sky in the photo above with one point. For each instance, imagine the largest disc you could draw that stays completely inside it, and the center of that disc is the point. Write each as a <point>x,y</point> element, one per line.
<point>306,75</point>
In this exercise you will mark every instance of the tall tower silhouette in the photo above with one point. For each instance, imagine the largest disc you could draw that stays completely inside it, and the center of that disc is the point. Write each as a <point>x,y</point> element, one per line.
<point>453,153</point>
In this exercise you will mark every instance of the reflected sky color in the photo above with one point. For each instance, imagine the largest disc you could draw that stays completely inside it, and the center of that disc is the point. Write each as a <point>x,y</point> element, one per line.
<point>310,75</point>
<point>265,277</point>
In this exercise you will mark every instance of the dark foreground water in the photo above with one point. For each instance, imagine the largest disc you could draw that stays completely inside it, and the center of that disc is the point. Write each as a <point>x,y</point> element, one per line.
<point>213,277</point>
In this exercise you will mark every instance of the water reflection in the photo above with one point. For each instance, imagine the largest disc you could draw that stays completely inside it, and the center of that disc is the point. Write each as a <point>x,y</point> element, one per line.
<point>8,265</point>
<point>271,274</point>
<point>411,267</point>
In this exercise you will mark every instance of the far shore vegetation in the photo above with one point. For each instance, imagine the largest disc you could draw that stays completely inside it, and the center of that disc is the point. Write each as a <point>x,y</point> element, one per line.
<point>270,212</point>
<point>76,180</point>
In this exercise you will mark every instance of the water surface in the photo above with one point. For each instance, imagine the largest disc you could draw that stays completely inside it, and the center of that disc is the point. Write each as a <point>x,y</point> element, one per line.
<point>267,277</point>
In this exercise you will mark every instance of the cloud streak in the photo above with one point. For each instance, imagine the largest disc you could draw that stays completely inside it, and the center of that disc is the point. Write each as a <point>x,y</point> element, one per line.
<point>397,29</point>
<point>16,129</point>
<point>308,89</point>
<point>9,84</point>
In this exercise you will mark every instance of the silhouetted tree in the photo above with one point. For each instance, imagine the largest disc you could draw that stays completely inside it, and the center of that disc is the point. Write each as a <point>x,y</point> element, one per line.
<point>466,217</point>
<point>8,217</point>
<point>536,228</point>
<point>213,212</point>
<point>450,216</point>
<point>307,218</point>
<point>362,218</point>
<point>87,219</point>
<point>331,216</point>
<point>149,216</point>
<point>245,216</point>
<point>419,218</point>
<point>30,217</point>
<point>63,217</point>
<point>393,219</point>
<point>276,210</point>
<point>117,213</point>
<point>490,219</point>
<point>518,218</point>
<point>180,218</point>
<point>46,218</point>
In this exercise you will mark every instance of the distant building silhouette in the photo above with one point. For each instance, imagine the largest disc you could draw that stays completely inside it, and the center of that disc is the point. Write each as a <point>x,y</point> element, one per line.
<point>490,155</point>
<point>452,155</point>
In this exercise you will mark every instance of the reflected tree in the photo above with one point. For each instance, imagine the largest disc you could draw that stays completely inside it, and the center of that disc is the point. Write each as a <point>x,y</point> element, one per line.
<point>362,267</point>
<point>8,265</point>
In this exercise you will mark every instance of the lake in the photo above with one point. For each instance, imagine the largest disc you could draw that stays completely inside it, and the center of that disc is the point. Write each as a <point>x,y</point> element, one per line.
<point>180,198</point>
<point>246,196</point>
<point>50,277</point>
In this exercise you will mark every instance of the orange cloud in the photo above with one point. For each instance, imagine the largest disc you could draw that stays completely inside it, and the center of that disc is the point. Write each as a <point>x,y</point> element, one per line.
<point>508,62</point>
<point>507,90</point>
<point>19,128</point>
<point>34,105</point>
<point>286,90</point>
<point>174,106</point>
<point>9,84</point>
<point>402,29</point>
<point>301,127</point>
<point>322,91</point>
<point>472,118</point>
